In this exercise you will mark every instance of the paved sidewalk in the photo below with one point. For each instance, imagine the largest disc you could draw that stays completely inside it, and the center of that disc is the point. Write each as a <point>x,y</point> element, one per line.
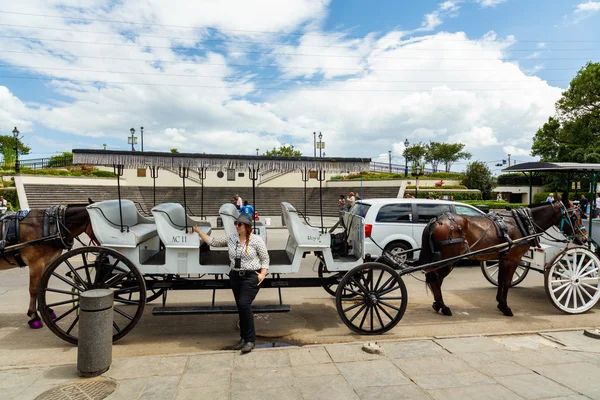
<point>553,365</point>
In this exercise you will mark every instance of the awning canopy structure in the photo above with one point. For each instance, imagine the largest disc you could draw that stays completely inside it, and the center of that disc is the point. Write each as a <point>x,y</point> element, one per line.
<point>553,167</point>
<point>214,162</point>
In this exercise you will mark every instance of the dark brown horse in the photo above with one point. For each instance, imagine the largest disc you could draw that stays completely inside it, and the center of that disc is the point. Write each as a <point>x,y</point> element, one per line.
<point>453,235</point>
<point>41,254</point>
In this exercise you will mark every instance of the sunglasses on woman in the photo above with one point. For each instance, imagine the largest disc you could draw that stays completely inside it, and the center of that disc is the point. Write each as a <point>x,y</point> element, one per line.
<point>238,224</point>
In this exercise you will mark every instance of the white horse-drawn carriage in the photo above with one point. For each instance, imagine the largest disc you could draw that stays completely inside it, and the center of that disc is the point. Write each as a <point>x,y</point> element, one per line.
<point>143,257</point>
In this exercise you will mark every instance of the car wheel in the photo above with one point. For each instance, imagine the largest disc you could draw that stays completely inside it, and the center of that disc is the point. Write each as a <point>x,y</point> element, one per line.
<point>397,250</point>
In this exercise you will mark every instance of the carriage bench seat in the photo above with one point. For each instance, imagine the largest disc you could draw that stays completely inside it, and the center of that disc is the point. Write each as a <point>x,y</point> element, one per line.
<point>106,223</point>
<point>171,221</point>
<point>302,234</point>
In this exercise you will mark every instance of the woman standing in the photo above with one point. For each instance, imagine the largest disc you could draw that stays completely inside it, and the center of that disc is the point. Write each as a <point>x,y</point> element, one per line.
<point>249,262</point>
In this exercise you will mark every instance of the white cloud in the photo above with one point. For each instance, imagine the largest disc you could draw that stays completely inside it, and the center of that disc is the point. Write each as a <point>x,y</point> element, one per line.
<point>475,138</point>
<point>517,151</point>
<point>13,113</point>
<point>490,3</point>
<point>373,92</point>
<point>582,11</point>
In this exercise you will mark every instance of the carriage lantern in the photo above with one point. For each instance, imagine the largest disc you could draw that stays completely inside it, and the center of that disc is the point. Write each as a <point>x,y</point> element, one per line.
<point>15,133</point>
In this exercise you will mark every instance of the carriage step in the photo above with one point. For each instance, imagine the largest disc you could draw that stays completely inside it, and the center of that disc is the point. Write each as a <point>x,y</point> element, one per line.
<point>218,309</point>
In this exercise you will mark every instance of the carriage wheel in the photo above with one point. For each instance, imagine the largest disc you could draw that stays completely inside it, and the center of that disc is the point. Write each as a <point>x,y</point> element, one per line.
<point>88,268</point>
<point>153,294</point>
<point>572,280</point>
<point>379,299</point>
<point>331,288</point>
<point>490,271</point>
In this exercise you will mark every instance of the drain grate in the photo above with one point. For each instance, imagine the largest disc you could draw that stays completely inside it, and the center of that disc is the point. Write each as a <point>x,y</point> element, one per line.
<point>90,390</point>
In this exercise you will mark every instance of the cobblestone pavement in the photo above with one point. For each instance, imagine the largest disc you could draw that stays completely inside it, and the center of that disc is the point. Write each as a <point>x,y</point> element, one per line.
<point>550,365</point>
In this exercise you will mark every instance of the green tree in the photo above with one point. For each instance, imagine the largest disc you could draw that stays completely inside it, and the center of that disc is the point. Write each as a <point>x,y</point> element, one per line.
<point>449,153</point>
<point>7,147</point>
<point>582,98</point>
<point>174,150</point>
<point>433,155</point>
<point>415,153</point>
<point>61,160</point>
<point>284,151</point>
<point>573,135</point>
<point>479,176</point>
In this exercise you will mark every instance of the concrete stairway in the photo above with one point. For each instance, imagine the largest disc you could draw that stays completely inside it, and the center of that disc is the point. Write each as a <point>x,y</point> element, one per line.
<point>267,201</point>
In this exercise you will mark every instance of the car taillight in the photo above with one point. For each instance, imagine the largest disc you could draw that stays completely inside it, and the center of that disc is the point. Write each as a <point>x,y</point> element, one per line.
<point>368,230</point>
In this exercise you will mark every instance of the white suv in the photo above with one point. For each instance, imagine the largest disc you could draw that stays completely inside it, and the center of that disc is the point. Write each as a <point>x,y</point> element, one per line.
<point>397,224</point>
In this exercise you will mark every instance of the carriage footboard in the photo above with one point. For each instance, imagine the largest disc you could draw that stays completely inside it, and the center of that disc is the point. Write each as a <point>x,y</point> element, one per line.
<point>185,310</point>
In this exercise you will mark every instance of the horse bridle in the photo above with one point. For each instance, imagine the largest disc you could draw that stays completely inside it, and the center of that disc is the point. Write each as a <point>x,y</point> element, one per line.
<point>569,217</point>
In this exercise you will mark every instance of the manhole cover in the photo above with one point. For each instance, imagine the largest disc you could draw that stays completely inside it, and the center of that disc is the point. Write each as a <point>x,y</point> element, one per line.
<point>89,390</point>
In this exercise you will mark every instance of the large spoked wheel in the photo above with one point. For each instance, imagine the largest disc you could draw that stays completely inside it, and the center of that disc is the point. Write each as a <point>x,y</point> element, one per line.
<point>572,280</point>
<point>88,268</point>
<point>379,299</point>
<point>331,288</point>
<point>490,270</point>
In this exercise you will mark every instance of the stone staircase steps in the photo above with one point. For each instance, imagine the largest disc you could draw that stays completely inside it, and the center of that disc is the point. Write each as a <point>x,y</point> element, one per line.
<point>267,199</point>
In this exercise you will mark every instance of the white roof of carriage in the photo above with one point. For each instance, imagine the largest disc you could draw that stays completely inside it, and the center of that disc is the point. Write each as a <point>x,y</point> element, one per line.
<point>552,167</point>
<point>138,159</point>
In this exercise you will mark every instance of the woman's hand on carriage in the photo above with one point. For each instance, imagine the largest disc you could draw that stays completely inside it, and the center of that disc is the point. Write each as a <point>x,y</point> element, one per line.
<point>261,276</point>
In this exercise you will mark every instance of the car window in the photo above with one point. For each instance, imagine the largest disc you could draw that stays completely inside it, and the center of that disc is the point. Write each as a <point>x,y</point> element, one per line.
<point>464,210</point>
<point>428,211</point>
<point>395,213</point>
<point>360,209</point>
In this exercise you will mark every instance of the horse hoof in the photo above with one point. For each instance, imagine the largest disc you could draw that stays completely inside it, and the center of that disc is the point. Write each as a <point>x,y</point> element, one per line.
<point>435,307</point>
<point>505,310</point>
<point>446,311</point>
<point>36,324</point>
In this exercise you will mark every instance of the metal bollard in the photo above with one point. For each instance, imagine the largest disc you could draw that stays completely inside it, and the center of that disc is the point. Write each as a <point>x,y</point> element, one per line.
<point>94,349</point>
<point>219,222</point>
<point>282,220</point>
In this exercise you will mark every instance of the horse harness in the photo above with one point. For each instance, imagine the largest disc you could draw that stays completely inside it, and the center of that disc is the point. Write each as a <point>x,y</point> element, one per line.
<point>53,228</point>
<point>522,217</point>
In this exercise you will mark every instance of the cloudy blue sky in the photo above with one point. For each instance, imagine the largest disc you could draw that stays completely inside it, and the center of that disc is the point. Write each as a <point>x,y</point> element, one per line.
<point>230,76</point>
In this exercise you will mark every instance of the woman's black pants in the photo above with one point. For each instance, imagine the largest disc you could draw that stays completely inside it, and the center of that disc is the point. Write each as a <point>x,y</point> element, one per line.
<point>244,285</point>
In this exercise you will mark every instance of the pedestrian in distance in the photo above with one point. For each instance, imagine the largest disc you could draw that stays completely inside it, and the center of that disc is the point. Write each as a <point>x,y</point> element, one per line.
<point>597,203</point>
<point>247,208</point>
<point>550,198</point>
<point>350,200</point>
<point>342,202</point>
<point>238,201</point>
<point>249,263</point>
<point>583,204</point>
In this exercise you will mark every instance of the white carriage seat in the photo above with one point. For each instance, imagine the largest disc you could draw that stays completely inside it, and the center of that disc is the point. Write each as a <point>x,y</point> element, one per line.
<point>171,223</point>
<point>106,223</point>
<point>229,214</point>
<point>303,234</point>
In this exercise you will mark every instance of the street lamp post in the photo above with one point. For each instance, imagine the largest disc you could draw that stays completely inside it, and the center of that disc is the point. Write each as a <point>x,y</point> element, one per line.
<point>257,151</point>
<point>315,143</point>
<point>406,144</point>
<point>132,139</point>
<point>416,174</point>
<point>390,159</point>
<point>142,130</point>
<point>321,144</point>
<point>15,133</point>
